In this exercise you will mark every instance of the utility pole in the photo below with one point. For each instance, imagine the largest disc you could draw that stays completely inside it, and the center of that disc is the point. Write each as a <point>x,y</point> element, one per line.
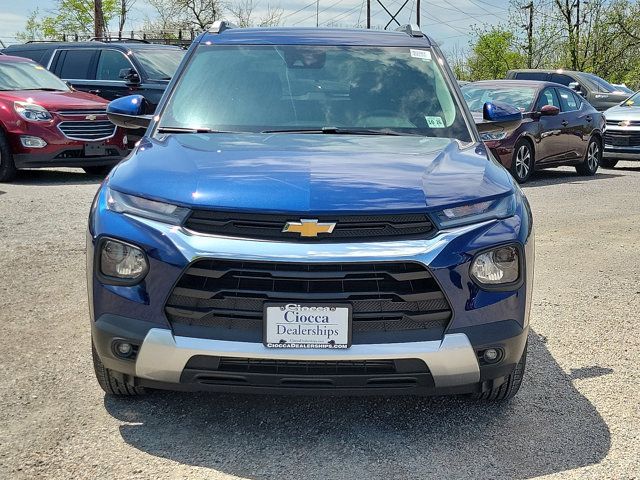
<point>529,28</point>
<point>98,19</point>
<point>368,13</point>
<point>317,12</point>
<point>418,12</point>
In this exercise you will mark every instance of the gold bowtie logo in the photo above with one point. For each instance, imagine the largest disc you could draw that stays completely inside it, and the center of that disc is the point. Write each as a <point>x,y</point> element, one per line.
<point>308,228</point>
<point>90,117</point>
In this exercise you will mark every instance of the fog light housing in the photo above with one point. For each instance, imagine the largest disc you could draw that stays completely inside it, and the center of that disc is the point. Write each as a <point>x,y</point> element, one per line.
<point>497,267</point>
<point>32,142</point>
<point>123,349</point>
<point>122,263</point>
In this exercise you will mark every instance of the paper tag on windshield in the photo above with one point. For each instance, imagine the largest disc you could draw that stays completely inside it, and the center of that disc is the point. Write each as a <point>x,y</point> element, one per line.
<point>434,122</point>
<point>423,54</point>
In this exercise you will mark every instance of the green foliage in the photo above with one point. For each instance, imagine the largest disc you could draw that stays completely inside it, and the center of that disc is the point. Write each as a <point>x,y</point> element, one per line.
<point>494,52</point>
<point>69,17</point>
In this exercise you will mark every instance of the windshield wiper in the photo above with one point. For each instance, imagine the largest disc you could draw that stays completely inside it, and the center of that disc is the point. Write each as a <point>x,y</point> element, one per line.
<point>191,130</point>
<point>343,131</point>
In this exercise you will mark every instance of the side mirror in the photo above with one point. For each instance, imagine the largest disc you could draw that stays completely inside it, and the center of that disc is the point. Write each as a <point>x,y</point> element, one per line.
<point>130,76</point>
<point>499,117</point>
<point>133,111</point>
<point>575,86</point>
<point>549,110</point>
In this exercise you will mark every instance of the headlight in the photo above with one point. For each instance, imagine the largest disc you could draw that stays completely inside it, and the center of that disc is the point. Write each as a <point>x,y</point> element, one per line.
<point>488,136</point>
<point>476,212</point>
<point>497,267</point>
<point>142,207</point>
<point>122,261</point>
<point>32,112</point>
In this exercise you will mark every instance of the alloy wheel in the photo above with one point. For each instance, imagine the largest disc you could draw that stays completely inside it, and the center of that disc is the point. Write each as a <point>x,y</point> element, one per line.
<point>592,155</point>
<point>523,162</point>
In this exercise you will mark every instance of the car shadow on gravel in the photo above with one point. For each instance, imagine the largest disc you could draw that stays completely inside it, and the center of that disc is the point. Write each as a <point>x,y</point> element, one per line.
<point>549,427</point>
<point>544,178</point>
<point>46,177</point>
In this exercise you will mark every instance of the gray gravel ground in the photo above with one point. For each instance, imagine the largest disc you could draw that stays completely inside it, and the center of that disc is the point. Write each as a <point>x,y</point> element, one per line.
<point>577,415</point>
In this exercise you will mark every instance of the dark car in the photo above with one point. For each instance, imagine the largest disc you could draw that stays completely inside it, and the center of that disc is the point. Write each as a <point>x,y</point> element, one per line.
<point>558,128</point>
<point>44,123</point>
<point>311,211</point>
<point>107,69</point>
<point>597,91</point>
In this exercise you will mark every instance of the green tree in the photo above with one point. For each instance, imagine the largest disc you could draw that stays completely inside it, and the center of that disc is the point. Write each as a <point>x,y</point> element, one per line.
<point>69,17</point>
<point>493,53</point>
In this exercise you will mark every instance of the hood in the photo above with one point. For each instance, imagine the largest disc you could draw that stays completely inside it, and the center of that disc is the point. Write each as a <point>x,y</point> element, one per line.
<point>310,173</point>
<point>620,112</point>
<point>56,100</point>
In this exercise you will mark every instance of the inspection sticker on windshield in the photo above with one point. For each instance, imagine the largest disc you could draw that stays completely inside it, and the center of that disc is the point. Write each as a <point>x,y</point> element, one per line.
<point>423,54</point>
<point>434,122</point>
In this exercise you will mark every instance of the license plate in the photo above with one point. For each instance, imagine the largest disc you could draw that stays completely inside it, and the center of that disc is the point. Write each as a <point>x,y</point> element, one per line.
<point>307,325</point>
<point>95,150</point>
<point>620,141</point>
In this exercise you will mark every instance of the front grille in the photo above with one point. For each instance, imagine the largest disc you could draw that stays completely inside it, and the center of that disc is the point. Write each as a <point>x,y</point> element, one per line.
<point>88,130</point>
<point>228,295</point>
<point>269,226</point>
<point>82,111</point>
<point>293,367</point>
<point>622,139</point>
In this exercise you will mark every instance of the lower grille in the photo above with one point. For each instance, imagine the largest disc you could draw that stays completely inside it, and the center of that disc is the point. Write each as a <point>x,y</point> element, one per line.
<point>291,367</point>
<point>269,226</point>
<point>88,130</point>
<point>229,295</point>
<point>622,139</point>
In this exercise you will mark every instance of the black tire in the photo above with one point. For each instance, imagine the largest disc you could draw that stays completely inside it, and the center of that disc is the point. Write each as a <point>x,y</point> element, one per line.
<point>592,158</point>
<point>511,385</point>
<point>608,162</point>
<point>109,382</point>
<point>102,170</point>
<point>523,161</point>
<point>7,166</point>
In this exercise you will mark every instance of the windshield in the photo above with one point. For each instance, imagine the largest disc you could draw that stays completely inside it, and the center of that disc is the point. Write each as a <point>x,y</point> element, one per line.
<point>520,97</point>
<point>28,76</point>
<point>252,88</point>
<point>159,64</point>
<point>601,84</point>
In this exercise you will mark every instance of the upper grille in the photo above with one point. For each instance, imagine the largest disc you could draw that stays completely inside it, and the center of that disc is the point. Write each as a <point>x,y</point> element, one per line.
<point>83,111</point>
<point>88,130</point>
<point>623,139</point>
<point>228,295</point>
<point>269,226</point>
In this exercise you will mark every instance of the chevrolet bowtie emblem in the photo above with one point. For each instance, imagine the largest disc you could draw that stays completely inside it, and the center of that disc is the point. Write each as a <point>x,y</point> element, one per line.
<point>308,228</point>
<point>90,117</point>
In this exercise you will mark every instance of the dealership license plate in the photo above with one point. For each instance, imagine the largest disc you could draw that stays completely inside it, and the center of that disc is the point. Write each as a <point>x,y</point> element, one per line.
<point>307,325</point>
<point>620,141</point>
<point>95,149</point>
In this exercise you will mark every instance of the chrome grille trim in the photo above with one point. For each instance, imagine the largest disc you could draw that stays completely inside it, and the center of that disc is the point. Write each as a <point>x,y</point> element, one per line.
<point>88,130</point>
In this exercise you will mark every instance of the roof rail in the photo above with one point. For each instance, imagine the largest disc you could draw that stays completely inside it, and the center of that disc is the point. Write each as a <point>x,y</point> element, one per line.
<point>114,40</point>
<point>412,30</point>
<point>220,26</point>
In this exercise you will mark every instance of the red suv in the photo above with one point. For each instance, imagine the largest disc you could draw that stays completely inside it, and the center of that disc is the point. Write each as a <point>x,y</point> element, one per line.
<point>44,123</point>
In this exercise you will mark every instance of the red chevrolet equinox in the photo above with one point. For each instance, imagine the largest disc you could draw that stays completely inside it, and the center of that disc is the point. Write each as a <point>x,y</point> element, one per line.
<point>44,123</point>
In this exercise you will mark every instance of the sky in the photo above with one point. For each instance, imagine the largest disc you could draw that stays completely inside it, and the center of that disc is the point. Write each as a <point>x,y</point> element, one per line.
<point>448,21</point>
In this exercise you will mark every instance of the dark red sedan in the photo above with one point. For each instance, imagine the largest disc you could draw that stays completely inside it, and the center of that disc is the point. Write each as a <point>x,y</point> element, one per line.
<point>45,123</point>
<point>559,126</point>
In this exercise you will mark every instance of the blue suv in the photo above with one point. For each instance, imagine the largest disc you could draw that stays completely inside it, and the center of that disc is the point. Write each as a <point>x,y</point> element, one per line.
<point>311,210</point>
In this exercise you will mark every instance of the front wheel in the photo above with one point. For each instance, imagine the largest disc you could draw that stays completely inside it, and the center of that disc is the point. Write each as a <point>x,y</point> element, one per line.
<point>7,167</point>
<point>608,162</point>
<point>523,161</point>
<point>510,386</point>
<point>111,382</point>
<point>592,158</point>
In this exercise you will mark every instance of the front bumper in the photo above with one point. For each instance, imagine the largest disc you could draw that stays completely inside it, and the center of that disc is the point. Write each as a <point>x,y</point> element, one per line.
<point>481,318</point>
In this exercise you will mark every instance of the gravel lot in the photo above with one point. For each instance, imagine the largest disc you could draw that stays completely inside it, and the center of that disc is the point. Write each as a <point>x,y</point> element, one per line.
<point>577,415</point>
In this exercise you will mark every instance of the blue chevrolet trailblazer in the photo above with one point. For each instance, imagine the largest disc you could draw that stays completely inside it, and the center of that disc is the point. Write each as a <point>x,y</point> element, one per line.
<point>311,211</point>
